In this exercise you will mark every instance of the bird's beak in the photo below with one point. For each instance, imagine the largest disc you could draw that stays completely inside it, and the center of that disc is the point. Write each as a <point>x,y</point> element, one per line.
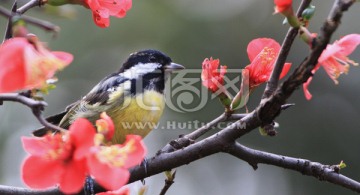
<point>173,67</point>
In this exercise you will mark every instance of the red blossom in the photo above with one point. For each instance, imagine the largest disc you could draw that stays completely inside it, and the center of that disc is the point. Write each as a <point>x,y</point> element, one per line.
<point>334,59</point>
<point>109,164</point>
<point>105,126</point>
<point>67,158</point>
<point>25,63</point>
<point>103,9</point>
<point>211,77</point>
<point>262,53</point>
<point>282,5</point>
<point>58,159</point>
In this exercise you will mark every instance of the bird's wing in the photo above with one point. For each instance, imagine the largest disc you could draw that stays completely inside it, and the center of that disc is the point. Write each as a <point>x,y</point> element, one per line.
<point>111,90</point>
<point>109,93</point>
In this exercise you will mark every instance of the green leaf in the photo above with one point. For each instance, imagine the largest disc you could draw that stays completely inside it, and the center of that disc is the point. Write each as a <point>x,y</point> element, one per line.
<point>308,13</point>
<point>263,131</point>
<point>342,165</point>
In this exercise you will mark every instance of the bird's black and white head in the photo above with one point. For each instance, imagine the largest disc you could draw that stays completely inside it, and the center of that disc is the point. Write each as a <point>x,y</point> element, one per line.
<point>148,69</point>
<point>143,70</point>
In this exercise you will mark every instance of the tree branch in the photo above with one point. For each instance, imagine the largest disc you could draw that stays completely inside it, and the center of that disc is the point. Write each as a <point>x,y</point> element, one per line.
<point>306,167</point>
<point>48,26</point>
<point>266,112</point>
<point>170,177</point>
<point>284,52</point>
<point>7,190</point>
<point>269,108</point>
<point>36,106</point>
<point>29,5</point>
<point>9,32</point>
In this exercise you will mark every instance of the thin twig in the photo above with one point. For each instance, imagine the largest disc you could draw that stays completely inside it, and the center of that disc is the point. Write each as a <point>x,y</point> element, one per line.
<point>29,5</point>
<point>166,187</point>
<point>8,32</point>
<point>36,106</point>
<point>235,117</point>
<point>48,26</point>
<point>189,138</point>
<point>284,52</point>
<point>306,167</point>
<point>7,190</point>
<point>168,182</point>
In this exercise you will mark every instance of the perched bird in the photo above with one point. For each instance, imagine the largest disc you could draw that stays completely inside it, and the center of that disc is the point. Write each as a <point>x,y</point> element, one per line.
<point>133,96</point>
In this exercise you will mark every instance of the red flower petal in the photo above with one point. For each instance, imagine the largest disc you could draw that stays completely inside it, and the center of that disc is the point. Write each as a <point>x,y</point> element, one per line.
<point>24,66</point>
<point>282,5</point>
<point>40,173</point>
<point>105,126</point>
<point>36,145</point>
<point>307,93</point>
<point>329,52</point>
<point>67,58</point>
<point>102,10</point>
<point>211,77</point>
<point>73,178</point>
<point>256,46</point>
<point>82,134</point>
<point>136,150</point>
<point>12,67</point>
<point>111,178</point>
<point>285,70</point>
<point>334,59</point>
<point>262,53</point>
<point>101,22</point>
<point>348,43</point>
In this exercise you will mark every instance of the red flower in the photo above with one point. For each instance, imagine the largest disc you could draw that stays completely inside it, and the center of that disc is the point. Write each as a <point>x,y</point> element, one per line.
<point>59,159</point>
<point>262,53</point>
<point>211,77</point>
<point>282,6</point>
<point>67,158</point>
<point>25,63</point>
<point>105,126</point>
<point>334,59</point>
<point>109,164</point>
<point>103,9</point>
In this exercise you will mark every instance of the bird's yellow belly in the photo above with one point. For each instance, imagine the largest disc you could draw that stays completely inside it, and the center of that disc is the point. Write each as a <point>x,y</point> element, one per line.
<point>139,115</point>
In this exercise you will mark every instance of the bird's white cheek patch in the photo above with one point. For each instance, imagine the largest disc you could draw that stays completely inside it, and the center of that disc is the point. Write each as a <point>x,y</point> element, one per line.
<point>139,70</point>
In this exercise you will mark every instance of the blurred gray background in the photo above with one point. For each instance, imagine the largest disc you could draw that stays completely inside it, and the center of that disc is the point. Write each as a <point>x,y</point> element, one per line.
<point>325,129</point>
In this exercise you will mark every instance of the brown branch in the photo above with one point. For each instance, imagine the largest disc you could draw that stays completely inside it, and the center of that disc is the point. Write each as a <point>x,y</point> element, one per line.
<point>306,167</point>
<point>48,26</point>
<point>270,108</point>
<point>168,182</point>
<point>191,137</point>
<point>29,5</point>
<point>36,106</point>
<point>7,190</point>
<point>8,31</point>
<point>284,52</point>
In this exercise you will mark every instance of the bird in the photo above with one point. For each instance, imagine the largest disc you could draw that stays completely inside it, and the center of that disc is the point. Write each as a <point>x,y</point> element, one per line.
<point>133,96</point>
